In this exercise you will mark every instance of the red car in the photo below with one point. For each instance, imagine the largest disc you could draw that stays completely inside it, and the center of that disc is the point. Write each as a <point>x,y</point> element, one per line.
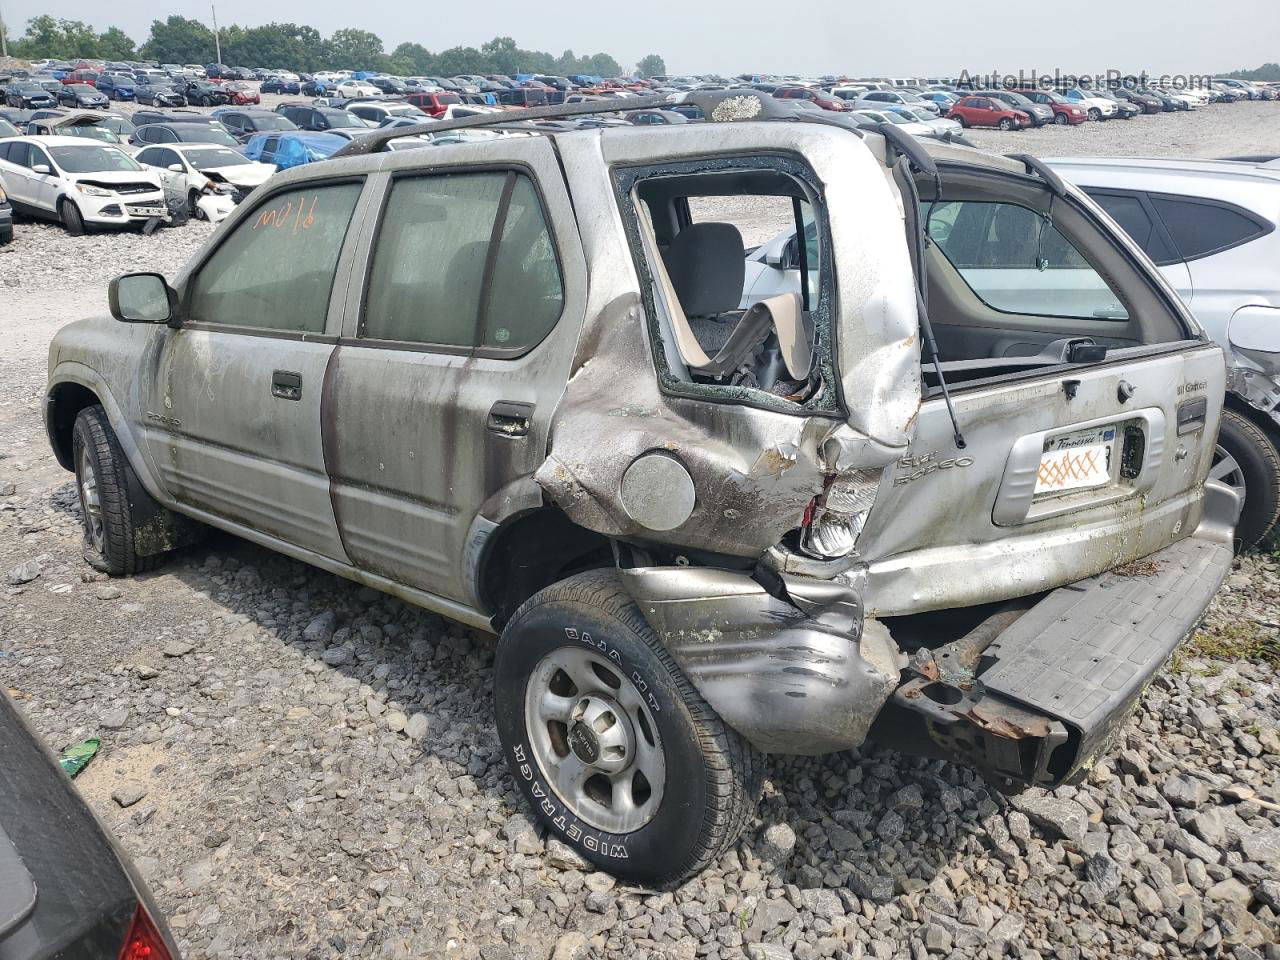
<point>988,112</point>
<point>433,104</point>
<point>1064,111</point>
<point>81,76</point>
<point>242,93</point>
<point>821,98</point>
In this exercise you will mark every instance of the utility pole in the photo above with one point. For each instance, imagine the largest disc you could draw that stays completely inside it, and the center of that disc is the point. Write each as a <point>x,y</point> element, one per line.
<point>4,40</point>
<point>217,43</point>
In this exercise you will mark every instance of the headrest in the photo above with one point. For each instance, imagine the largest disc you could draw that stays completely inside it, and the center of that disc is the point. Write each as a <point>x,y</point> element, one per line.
<point>707,267</point>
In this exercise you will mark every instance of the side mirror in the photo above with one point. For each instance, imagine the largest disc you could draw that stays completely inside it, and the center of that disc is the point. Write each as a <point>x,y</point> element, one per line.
<point>785,258</point>
<point>41,168</point>
<point>142,298</point>
<point>176,167</point>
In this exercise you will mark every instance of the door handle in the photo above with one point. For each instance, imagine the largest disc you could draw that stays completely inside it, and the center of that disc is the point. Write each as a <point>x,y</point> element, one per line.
<point>286,385</point>
<point>509,419</point>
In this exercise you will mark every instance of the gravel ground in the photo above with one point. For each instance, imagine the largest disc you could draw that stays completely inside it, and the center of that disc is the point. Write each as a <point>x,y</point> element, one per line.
<point>319,775</point>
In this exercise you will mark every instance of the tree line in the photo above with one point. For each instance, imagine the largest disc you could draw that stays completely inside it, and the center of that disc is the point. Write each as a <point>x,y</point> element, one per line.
<point>291,46</point>
<point>1268,73</point>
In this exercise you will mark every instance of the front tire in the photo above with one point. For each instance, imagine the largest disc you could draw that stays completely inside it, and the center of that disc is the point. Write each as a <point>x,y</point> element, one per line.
<point>1247,461</point>
<point>71,218</point>
<point>612,746</point>
<point>1005,124</point>
<point>1060,119</point>
<point>1095,113</point>
<point>103,481</point>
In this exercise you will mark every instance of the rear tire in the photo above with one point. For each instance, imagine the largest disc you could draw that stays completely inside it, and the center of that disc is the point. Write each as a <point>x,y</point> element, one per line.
<point>611,745</point>
<point>71,218</point>
<point>103,481</point>
<point>1246,460</point>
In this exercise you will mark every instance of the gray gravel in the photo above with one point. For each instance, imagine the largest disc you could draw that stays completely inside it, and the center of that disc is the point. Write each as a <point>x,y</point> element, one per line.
<point>307,769</point>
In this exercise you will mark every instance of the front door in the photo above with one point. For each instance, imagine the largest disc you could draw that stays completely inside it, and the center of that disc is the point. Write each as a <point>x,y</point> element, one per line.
<point>457,347</point>
<point>233,419</point>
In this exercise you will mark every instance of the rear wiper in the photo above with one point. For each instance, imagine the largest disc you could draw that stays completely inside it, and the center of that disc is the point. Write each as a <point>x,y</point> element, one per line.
<point>913,154</point>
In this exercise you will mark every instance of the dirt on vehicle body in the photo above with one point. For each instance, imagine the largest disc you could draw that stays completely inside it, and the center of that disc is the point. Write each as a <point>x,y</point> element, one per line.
<point>512,382</point>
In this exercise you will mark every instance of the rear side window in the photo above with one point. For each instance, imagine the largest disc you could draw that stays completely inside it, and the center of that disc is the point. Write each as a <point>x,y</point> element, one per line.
<point>1016,261</point>
<point>1199,228</point>
<point>441,238</point>
<point>1129,211</point>
<point>276,269</point>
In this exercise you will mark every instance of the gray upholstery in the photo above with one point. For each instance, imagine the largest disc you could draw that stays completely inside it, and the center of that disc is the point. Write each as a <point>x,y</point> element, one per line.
<point>707,267</point>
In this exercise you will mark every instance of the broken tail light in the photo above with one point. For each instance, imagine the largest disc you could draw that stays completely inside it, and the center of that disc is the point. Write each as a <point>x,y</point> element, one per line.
<point>144,941</point>
<point>834,519</point>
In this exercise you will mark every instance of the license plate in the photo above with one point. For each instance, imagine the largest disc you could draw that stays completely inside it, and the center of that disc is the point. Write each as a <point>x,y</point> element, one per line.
<point>1076,461</point>
<point>146,211</point>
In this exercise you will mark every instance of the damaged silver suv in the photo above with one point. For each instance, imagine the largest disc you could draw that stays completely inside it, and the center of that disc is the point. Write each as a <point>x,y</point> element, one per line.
<point>512,381</point>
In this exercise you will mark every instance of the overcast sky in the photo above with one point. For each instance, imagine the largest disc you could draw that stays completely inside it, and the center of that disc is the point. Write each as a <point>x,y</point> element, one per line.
<point>733,36</point>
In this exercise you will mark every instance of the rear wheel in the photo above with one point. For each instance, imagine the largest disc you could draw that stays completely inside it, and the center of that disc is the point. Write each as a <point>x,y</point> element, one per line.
<point>193,205</point>
<point>1247,461</point>
<point>610,743</point>
<point>71,218</point>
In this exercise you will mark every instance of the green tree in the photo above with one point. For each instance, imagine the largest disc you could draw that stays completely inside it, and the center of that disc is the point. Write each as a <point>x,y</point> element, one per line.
<point>179,40</point>
<point>456,60</point>
<point>413,58</point>
<point>651,66</point>
<point>115,44</point>
<point>501,55</point>
<point>356,50</point>
<point>49,37</point>
<point>1268,73</point>
<point>603,65</point>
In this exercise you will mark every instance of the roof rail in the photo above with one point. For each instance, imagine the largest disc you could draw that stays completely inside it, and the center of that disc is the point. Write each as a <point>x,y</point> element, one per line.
<point>716,105</point>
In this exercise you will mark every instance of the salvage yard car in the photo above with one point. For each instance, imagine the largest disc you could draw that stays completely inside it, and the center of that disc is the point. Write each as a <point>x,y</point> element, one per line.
<point>78,183</point>
<point>702,532</point>
<point>208,178</point>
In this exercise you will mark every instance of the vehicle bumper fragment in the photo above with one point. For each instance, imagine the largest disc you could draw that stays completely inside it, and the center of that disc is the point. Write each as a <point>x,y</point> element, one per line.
<point>1049,693</point>
<point>794,668</point>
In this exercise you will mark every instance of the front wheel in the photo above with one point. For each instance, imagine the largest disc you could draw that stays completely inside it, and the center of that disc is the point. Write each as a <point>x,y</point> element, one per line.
<point>1095,113</point>
<point>71,218</point>
<point>1005,124</point>
<point>610,743</point>
<point>103,480</point>
<point>1246,460</point>
<point>1060,119</point>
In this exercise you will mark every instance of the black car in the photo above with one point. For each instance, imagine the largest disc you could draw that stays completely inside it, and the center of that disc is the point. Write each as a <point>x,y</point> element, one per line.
<point>202,94</point>
<point>326,119</point>
<point>1148,103</point>
<point>387,85</point>
<point>159,133</point>
<point>66,889</point>
<point>83,96</point>
<point>244,123</point>
<point>279,85</point>
<point>26,93</point>
<point>159,95</point>
<point>171,116</point>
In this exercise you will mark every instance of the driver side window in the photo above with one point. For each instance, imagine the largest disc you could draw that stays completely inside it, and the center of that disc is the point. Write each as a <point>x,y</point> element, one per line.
<point>276,269</point>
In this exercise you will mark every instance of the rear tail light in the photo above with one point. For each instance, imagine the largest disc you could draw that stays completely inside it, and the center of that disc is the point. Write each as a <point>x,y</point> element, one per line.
<point>144,941</point>
<point>834,520</point>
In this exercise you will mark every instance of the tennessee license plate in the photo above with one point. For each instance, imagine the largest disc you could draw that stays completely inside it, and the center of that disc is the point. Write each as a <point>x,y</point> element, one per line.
<point>1076,461</point>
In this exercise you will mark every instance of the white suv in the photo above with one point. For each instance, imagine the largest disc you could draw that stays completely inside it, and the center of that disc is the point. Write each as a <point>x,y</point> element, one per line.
<point>1211,228</point>
<point>79,182</point>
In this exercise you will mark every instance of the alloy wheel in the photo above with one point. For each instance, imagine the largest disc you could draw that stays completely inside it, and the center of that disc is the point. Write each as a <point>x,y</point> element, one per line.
<point>595,739</point>
<point>90,500</point>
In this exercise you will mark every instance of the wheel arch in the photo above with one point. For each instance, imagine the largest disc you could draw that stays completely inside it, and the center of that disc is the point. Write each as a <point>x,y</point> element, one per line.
<point>1258,417</point>
<point>531,550</point>
<point>74,386</point>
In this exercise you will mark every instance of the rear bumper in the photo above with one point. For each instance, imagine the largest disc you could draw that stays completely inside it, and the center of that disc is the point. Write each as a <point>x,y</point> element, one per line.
<point>1052,691</point>
<point>1032,695</point>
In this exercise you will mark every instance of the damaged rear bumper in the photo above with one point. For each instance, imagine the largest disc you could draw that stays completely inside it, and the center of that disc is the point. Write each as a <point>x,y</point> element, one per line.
<point>1032,695</point>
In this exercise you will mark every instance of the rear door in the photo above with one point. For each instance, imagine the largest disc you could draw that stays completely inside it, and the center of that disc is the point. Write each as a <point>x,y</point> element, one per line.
<point>233,416</point>
<point>14,174</point>
<point>456,348</point>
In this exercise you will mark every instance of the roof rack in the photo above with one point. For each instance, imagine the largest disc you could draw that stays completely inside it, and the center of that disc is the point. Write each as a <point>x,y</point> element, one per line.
<point>716,105</point>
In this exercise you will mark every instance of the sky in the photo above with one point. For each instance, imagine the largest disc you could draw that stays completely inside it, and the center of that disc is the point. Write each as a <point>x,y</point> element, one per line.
<point>927,37</point>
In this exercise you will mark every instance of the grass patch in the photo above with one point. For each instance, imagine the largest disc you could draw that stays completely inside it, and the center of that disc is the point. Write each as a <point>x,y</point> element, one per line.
<point>1242,640</point>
